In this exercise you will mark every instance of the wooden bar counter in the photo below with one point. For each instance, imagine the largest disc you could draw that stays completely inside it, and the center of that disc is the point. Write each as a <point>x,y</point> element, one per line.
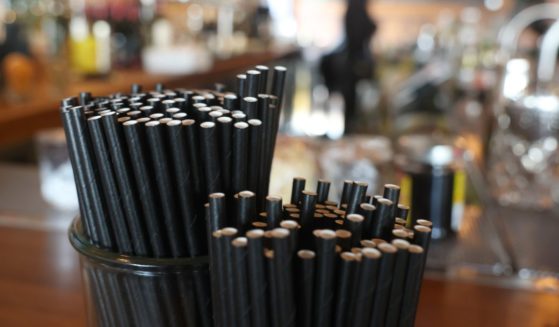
<point>40,286</point>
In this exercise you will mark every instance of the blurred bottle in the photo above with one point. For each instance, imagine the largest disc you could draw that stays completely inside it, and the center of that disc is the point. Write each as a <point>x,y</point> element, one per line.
<point>126,36</point>
<point>90,37</point>
<point>16,66</point>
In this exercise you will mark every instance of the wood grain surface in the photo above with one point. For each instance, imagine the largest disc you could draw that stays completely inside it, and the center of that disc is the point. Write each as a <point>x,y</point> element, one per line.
<point>40,285</point>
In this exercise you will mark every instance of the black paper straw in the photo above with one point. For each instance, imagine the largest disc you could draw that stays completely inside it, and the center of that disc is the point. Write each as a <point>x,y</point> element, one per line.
<point>343,239</point>
<point>278,83</point>
<point>368,212</point>
<point>322,190</point>
<point>100,222</point>
<point>242,302</point>
<point>398,280</point>
<point>217,217</point>
<point>109,186</point>
<point>240,157</point>
<point>392,193</point>
<point>324,281</point>
<point>399,233</point>
<point>354,223</point>
<point>402,211</point>
<point>208,147</point>
<point>272,284</point>
<point>255,157</point>
<point>384,283</point>
<point>293,228</point>
<point>346,192</point>
<point>308,202</point>
<point>412,288</point>
<point>84,197</point>
<point>263,85</point>
<point>305,287</point>
<point>241,85</point>
<point>218,280</point>
<point>257,282</point>
<point>284,283</point>
<point>253,83</point>
<point>366,284</point>
<point>345,277</point>
<point>274,211</point>
<point>246,210</point>
<point>141,167</point>
<point>297,189</point>
<point>383,222</point>
<point>231,102</point>
<point>193,150</point>
<point>249,105</point>
<point>161,165</point>
<point>193,226</point>
<point>358,191</point>
<point>228,234</point>
<point>128,190</point>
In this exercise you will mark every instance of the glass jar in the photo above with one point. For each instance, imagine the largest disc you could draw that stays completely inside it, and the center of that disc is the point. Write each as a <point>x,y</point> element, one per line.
<point>123,290</point>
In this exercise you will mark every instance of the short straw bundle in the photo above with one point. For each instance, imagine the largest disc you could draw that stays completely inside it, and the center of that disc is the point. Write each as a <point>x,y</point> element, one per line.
<point>312,271</point>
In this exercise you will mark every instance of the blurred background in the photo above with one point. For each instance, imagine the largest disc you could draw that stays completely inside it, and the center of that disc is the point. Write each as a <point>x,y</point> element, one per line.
<point>456,101</point>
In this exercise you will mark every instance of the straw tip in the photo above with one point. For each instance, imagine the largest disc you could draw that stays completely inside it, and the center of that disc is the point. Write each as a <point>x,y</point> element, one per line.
<point>153,123</point>
<point>367,207</point>
<point>392,186</point>
<point>401,244</point>
<point>217,195</point>
<point>273,198</point>
<point>422,229</point>
<point>354,217</point>
<point>327,234</point>
<point>255,122</point>
<point>371,253</point>
<point>225,119</point>
<point>280,232</point>
<point>174,122</point>
<point>229,231</point>
<point>188,122</point>
<point>342,233</point>
<point>246,194</point>
<point>241,125</point>
<point>255,233</point>
<point>424,222</point>
<point>348,256</point>
<point>385,201</point>
<point>387,248</point>
<point>306,254</point>
<point>207,124</point>
<point>416,249</point>
<point>239,242</point>
<point>368,244</point>
<point>289,224</point>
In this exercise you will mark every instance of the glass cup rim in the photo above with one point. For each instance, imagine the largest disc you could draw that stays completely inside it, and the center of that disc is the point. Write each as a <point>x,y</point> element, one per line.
<point>144,264</point>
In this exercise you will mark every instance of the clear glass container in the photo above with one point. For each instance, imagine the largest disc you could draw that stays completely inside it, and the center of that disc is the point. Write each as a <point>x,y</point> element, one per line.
<point>122,290</point>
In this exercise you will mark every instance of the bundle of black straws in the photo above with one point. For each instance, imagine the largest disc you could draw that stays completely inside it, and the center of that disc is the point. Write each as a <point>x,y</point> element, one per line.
<point>145,162</point>
<point>315,262</point>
